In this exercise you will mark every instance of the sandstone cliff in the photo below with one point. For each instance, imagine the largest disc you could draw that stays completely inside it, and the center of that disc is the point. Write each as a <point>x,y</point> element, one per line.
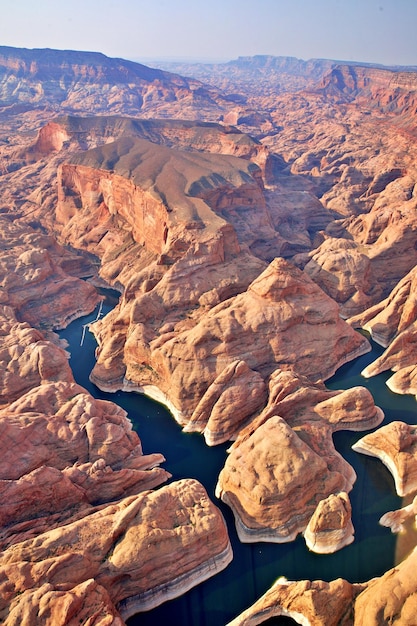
<point>386,600</point>
<point>186,220</point>
<point>392,324</point>
<point>157,539</point>
<point>283,465</point>
<point>89,81</point>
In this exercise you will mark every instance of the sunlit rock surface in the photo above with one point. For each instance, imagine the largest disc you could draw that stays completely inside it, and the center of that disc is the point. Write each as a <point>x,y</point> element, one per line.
<point>164,542</point>
<point>330,528</point>
<point>315,603</point>
<point>395,444</point>
<point>393,324</point>
<point>330,183</point>
<point>389,599</point>
<point>283,465</point>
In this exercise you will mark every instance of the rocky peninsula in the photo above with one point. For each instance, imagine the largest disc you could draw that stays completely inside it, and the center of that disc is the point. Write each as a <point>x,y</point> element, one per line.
<point>247,258</point>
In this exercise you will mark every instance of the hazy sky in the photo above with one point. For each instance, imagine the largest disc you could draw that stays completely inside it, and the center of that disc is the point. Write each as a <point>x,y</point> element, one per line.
<point>381,31</point>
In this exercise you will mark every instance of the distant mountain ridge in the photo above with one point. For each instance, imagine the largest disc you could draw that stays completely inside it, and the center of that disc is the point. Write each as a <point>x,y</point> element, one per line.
<point>237,92</point>
<point>94,83</point>
<point>287,73</point>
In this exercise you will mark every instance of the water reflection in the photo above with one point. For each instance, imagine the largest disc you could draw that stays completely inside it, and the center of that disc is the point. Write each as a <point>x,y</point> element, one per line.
<point>255,567</point>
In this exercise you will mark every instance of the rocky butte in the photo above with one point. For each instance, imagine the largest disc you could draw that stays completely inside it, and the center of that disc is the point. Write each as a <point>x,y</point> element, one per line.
<point>247,256</point>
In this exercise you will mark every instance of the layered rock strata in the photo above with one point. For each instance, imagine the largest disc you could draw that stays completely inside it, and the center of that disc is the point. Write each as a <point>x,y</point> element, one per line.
<point>396,446</point>
<point>68,450</point>
<point>89,81</point>
<point>393,324</point>
<point>282,319</point>
<point>346,168</point>
<point>163,542</point>
<point>330,528</point>
<point>28,359</point>
<point>390,599</point>
<point>36,279</point>
<point>72,466</point>
<point>190,242</point>
<point>396,520</point>
<point>283,465</point>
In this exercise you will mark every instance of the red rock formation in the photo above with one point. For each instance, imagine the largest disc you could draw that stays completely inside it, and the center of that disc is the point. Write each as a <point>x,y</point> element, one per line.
<point>396,519</point>
<point>244,327</point>
<point>344,272</point>
<point>276,461</point>
<point>28,359</point>
<point>396,446</point>
<point>164,542</point>
<point>68,450</point>
<point>316,603</point>
<point>330,528</point>
<point>79,604</point>
<point>89,81</point>
<point>392,323</point>
<point>278,468</point>
<point>389,599</point>
<point>234,396</point>
<point>193,287</point>
<point>33,283</point>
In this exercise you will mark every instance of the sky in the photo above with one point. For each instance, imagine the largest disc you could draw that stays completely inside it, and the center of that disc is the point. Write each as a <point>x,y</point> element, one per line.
<point>374,31</point>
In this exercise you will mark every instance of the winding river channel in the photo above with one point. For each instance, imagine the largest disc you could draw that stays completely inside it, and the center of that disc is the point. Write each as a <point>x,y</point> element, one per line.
<point>256,566</point>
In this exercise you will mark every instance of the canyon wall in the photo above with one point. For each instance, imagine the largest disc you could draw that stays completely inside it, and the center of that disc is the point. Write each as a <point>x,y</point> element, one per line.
<point>245,265</point>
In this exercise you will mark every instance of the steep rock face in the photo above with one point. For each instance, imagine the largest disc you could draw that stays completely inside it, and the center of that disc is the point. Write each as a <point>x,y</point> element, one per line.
<point>166,197</point>
<point>392,323</point>
<point>330,528</point>
<point>283,464</point>
<point>265,326</point>
<point>89,81</point>
<point>360,163</point>
<point>163,541</point>
<point>388,90</point>
<point>66,456</point>
<point>69,450</point>
<point>189,135</point>
<point>189,234</point>
<point>33,282</point>
<point>396,446</point>
<point>389,599</point>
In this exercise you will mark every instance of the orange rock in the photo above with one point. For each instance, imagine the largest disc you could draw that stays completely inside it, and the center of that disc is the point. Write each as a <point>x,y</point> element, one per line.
<point>395,444</point>
<point>396,519</point>
<point>164,542</point>
<point>330,528</point>
<point>344,272</point>
<point>316,603</point>
<point>390,598</point>
<point>50,607</point>
<point>267,465</point>
<point>268,471</point>
<point>31,278</point>
<point>233,397</point>
<point>28,358</point>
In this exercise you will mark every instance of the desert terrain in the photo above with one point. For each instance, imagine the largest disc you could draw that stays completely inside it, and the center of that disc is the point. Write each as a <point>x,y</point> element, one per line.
<point>259,222</point>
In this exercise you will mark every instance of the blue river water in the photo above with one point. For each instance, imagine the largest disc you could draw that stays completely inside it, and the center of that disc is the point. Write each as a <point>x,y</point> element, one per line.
<point>255,567</point>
